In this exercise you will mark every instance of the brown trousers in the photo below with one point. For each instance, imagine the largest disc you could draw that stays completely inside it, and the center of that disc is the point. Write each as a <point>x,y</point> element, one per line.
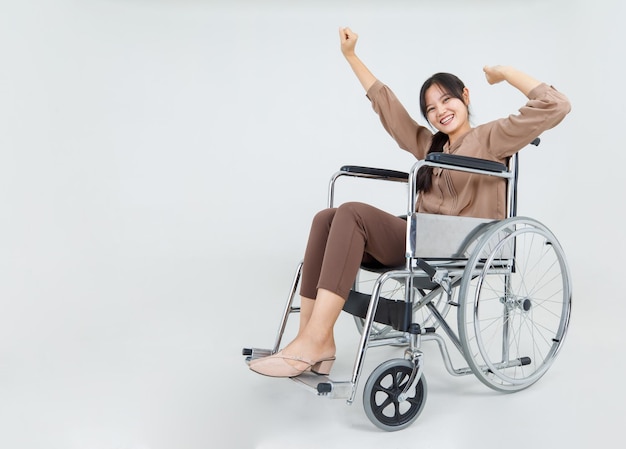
<point>342,238</point>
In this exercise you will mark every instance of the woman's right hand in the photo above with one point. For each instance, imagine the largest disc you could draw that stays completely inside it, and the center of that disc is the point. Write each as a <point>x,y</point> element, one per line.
<point>348,41</point>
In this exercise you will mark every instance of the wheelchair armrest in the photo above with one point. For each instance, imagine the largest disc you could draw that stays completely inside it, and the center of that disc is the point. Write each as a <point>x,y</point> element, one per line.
<point>455,160</point>
<point>364,172</point>
<point>380,173</point>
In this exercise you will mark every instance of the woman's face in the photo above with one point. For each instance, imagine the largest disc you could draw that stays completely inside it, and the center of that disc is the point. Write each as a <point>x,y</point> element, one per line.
<point>447,113</point>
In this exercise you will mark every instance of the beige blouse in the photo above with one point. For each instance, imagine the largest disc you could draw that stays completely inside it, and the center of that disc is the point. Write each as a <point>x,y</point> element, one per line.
<point>465,194</point>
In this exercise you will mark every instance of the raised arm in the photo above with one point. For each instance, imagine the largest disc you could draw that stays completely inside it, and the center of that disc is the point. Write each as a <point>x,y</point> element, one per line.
<point>348,43</point>
<point>516,78</point>
<point>545,109</point>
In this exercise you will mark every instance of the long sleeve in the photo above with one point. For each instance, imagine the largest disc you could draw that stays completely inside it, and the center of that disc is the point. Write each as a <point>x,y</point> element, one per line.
<point>545,109</point>
<point>409,135</point>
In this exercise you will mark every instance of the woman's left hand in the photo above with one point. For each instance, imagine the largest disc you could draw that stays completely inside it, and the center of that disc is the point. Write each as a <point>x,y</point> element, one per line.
<point>494,73</point>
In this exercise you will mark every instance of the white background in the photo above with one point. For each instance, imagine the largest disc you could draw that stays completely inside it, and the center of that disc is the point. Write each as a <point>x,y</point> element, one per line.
<point>160,165</point>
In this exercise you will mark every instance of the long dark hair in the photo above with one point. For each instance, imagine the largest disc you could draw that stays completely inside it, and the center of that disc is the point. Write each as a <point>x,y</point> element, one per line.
<point>453,86</point>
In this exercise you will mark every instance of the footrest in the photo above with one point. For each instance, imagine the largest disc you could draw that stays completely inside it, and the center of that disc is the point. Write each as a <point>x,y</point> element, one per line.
<point>324,386</point>
<point>255,353</point>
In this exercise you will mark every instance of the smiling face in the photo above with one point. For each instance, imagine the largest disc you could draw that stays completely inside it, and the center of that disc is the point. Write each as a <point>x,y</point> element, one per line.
<point>447,112</point>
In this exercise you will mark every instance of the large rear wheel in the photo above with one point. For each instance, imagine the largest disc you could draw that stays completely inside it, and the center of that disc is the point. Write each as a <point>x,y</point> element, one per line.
<point>515,302</point>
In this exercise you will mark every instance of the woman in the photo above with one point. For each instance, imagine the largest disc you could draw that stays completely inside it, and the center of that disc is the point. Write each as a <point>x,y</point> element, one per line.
<point>341,238</point>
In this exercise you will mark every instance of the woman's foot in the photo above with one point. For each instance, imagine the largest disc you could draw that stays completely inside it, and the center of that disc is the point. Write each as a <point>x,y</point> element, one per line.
<point>314,346</point>
<point>282,365</point>
<point>297,357</point>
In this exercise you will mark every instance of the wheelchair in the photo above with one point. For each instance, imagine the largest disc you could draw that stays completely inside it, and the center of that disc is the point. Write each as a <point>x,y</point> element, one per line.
<point>507,281</point>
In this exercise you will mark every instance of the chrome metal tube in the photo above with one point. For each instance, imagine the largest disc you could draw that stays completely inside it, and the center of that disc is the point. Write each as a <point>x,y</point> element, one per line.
<point>288,309</point>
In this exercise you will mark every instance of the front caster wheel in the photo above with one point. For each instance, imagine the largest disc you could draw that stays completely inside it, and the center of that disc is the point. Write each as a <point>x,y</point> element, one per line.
<point>381,396</point>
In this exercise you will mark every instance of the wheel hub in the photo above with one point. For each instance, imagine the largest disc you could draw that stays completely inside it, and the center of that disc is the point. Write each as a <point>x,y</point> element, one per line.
<point>517,302</point>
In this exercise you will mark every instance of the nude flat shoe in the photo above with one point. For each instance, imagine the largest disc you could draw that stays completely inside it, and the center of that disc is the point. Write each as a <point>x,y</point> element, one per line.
<point>276,365</point>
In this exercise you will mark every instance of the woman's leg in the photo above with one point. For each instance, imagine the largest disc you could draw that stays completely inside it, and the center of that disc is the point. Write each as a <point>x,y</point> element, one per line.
<point>312,264</point>
<point>356,229</point>
<point>314,252</point>
<point>316,340</point>
<point>352,230</point>
<point>306,310</point>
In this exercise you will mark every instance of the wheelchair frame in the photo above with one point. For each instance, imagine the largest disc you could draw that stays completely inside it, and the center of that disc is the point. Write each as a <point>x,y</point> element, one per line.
<point>481,262</point>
